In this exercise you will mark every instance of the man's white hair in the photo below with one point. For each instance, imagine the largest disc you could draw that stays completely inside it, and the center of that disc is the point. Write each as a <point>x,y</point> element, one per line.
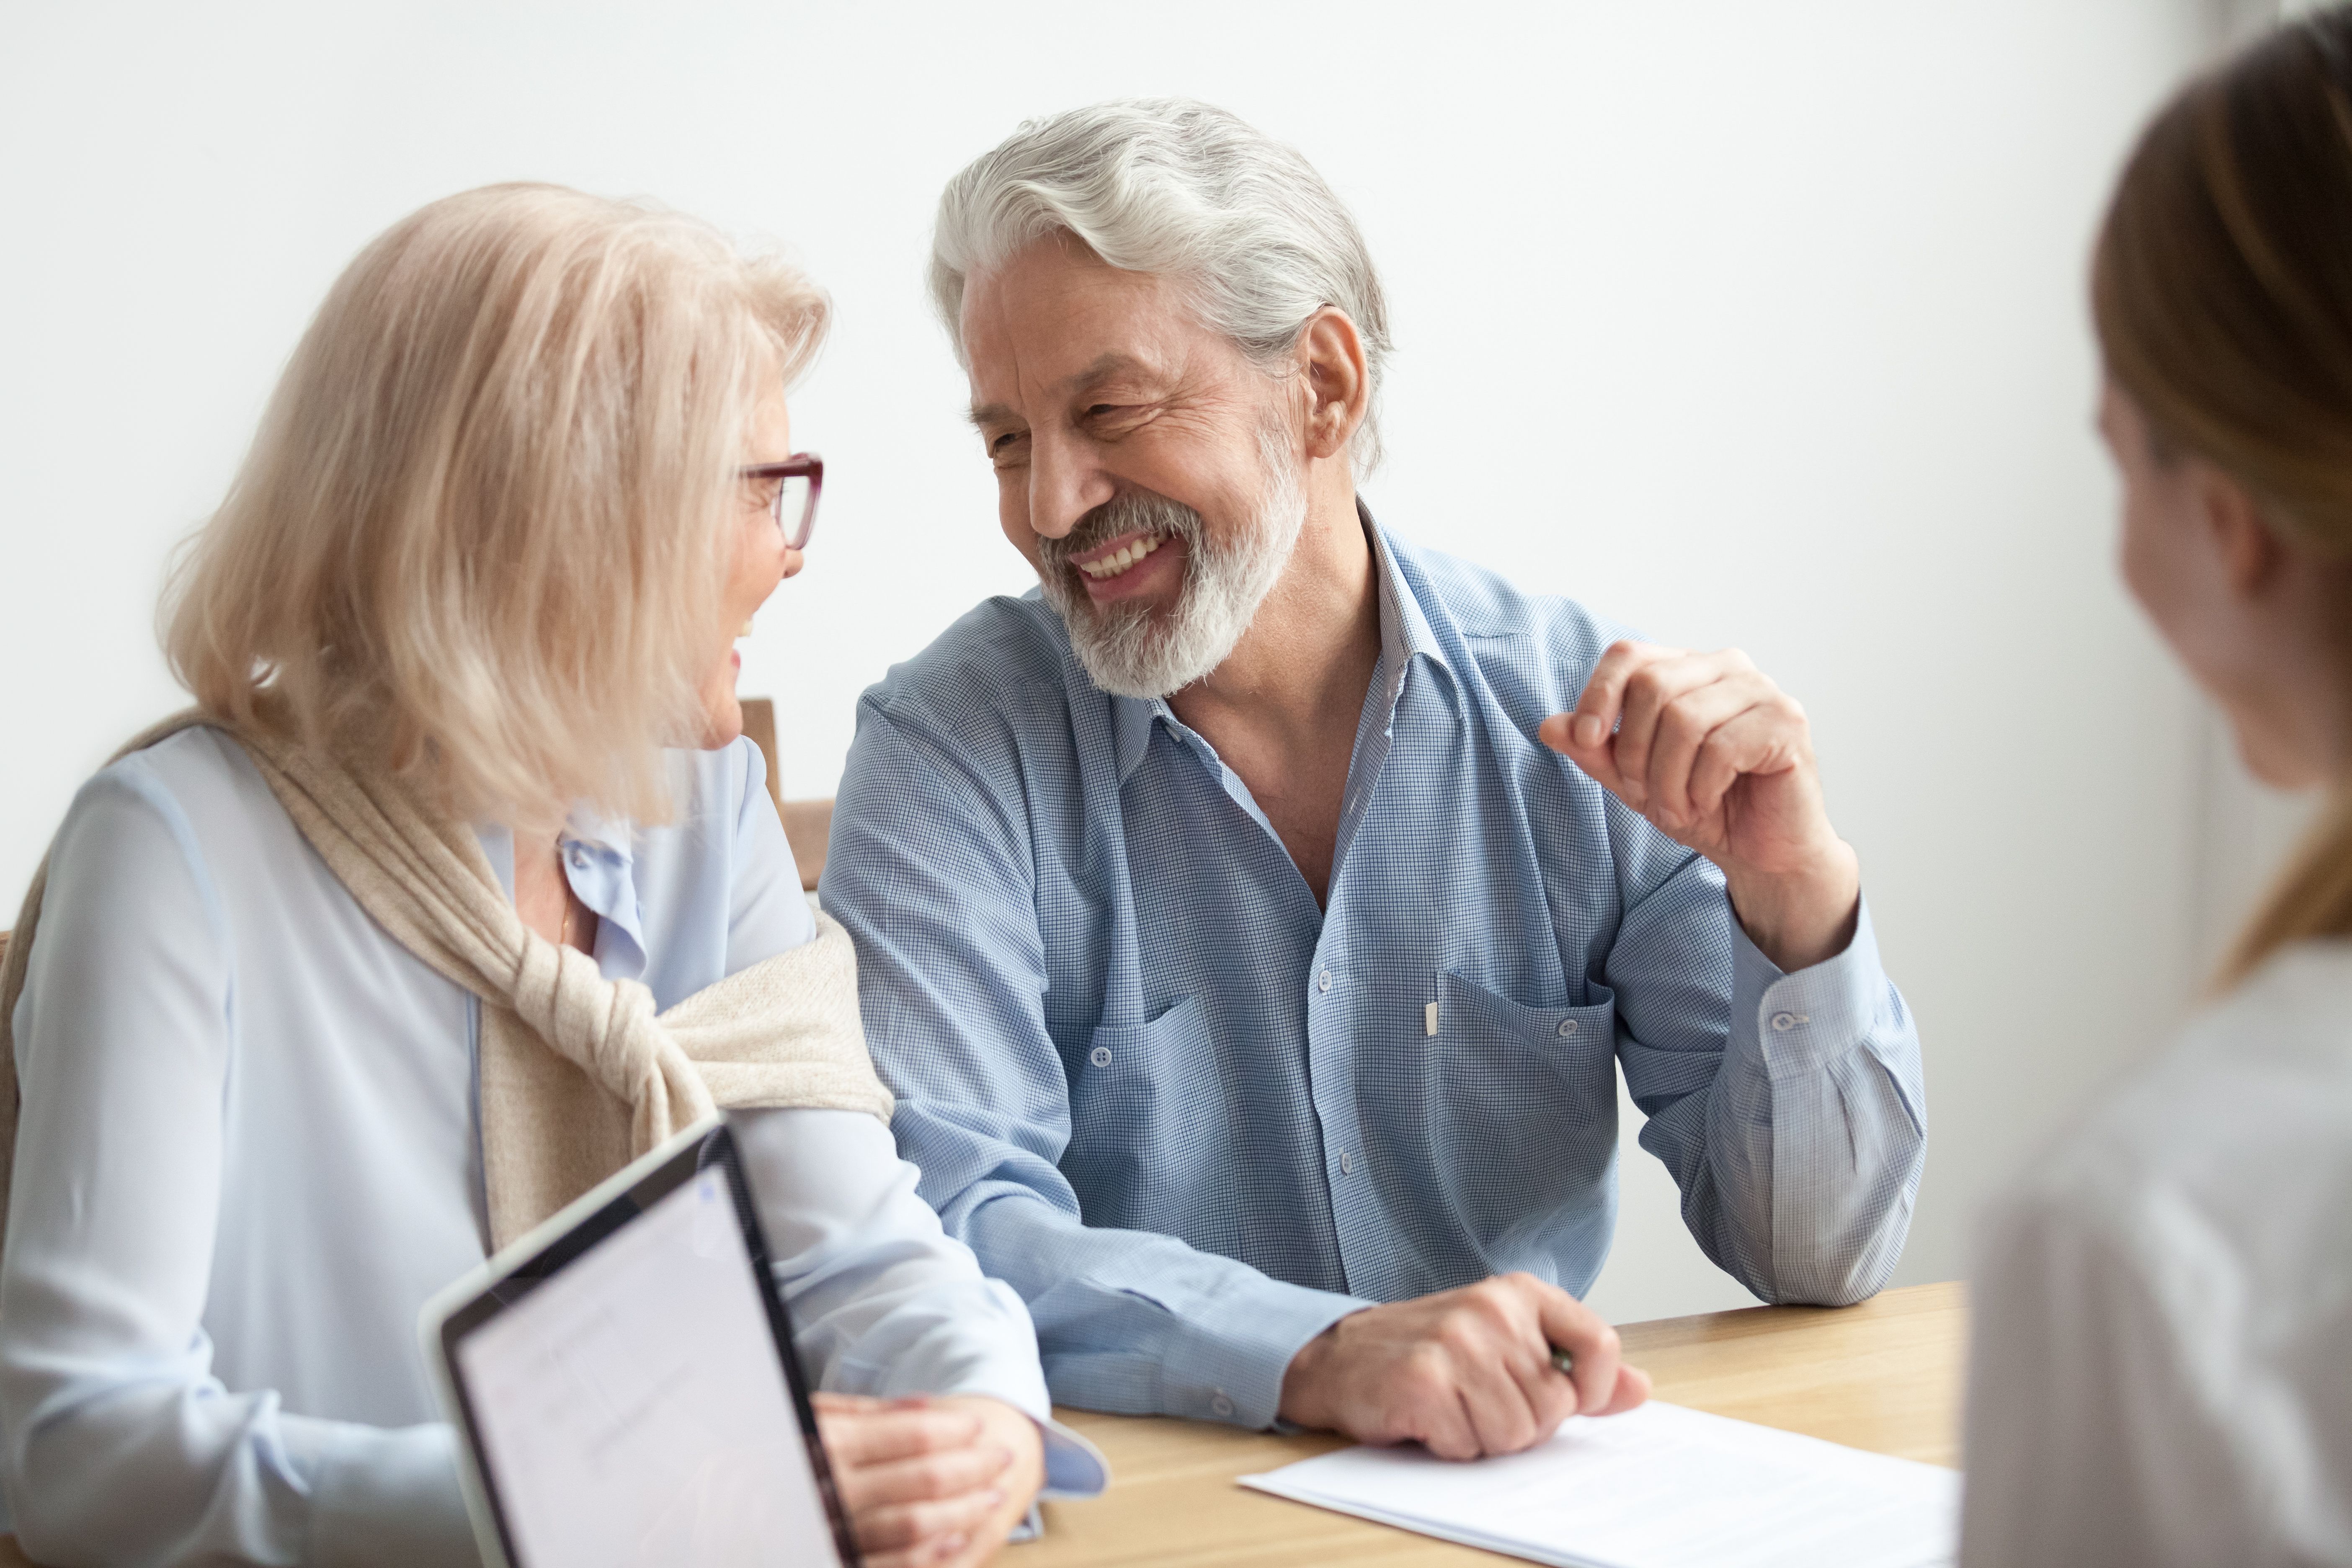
<point>1173,187</point>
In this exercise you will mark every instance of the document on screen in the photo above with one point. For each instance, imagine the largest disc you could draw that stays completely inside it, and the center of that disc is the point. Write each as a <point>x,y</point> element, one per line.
<point>1659,1487</point>
<point>634,1412</point>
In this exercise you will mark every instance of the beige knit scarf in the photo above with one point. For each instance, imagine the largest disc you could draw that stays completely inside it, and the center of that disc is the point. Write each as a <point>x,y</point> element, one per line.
<point>578,1074</point>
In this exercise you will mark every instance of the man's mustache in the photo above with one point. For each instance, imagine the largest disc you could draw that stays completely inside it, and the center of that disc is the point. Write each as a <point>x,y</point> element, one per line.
<point>1121,514</point>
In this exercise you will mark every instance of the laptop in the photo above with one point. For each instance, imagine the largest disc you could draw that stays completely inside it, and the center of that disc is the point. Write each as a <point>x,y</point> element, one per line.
<point>624,1384</point>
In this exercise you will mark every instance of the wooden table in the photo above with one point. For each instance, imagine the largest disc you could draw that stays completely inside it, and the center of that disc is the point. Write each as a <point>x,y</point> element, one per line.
<point>1885,1375</point>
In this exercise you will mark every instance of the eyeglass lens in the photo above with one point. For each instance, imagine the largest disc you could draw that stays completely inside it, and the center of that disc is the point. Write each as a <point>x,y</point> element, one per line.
<point>795,511</point>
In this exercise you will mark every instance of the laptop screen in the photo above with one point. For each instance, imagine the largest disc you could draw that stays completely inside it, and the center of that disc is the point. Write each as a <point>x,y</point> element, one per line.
<point>631,1407</point>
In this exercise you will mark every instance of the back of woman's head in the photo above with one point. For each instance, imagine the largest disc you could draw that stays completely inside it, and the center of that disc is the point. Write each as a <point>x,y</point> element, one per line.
<point>481,536</point>
<point>2221,289</point>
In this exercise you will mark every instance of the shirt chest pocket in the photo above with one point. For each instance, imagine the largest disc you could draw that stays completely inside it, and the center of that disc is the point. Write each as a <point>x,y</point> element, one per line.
<point>1134,1091</point>
<point>1494,1056</point>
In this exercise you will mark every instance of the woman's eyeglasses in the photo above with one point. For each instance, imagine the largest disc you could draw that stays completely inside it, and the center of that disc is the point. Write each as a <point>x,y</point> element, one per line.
<point>797,478</point>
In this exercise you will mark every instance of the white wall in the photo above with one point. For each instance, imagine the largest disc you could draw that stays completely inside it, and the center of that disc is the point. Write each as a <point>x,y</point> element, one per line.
<point>1754,324</point>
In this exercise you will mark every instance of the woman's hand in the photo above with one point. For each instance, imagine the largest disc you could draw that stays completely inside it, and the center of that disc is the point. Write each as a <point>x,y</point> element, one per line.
<point>931,1481</point>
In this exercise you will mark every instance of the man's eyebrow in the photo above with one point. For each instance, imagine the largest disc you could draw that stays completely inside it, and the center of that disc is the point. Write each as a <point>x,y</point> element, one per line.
<point>1110,364</point>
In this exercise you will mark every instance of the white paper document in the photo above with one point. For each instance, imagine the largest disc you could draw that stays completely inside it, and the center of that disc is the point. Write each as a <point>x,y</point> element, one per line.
<point>1660,1487</point>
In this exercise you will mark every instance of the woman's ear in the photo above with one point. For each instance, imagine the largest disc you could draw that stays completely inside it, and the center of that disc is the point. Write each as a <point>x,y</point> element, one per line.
<point>2250,553</point>
<point>1339,383</point>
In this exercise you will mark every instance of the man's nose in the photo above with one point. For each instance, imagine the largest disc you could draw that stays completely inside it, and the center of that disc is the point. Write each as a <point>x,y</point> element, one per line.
<point>1065,484</point>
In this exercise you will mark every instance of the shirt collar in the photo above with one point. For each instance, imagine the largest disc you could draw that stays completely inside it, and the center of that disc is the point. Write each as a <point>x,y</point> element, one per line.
<point>1405,631</point>
<point>1405,635</point>
<point>588,826</point>
<point>1131,719</point>
<point>601,864</point>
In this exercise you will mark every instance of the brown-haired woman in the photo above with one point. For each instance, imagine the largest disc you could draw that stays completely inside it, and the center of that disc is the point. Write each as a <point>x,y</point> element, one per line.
<point>2163,1365</point>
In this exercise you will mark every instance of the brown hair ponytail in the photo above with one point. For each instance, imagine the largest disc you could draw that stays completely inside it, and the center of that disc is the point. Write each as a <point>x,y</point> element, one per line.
<point>2222,290</point>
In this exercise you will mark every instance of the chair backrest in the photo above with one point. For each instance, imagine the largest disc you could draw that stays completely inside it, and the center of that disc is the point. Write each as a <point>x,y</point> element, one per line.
<point>808,823</point>
<point>760,724</point>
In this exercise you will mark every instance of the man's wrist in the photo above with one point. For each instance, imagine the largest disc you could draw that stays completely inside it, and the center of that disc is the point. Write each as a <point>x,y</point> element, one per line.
<point>1226,1360</point>
<point>1800,918</point>
<point>1303,1402</point>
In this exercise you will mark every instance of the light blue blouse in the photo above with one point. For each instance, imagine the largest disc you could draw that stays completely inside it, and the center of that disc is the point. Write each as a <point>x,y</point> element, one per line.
<point>249,1152</point>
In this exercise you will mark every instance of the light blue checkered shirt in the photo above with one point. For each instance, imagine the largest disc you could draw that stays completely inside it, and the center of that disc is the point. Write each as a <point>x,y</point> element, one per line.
<point>1193,1119</point>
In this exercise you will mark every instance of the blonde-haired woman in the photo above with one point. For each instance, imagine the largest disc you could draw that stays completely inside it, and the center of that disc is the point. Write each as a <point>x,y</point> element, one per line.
<point>2162,1371</point>
<point>352,975</point>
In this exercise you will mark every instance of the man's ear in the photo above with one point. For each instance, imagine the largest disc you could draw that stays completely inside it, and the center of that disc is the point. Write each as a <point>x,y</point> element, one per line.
<point>1339,384</point>
<point>2250,553</point>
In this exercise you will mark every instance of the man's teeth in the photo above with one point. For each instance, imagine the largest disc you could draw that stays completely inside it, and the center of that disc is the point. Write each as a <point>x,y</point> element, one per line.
<point>1118,561</point>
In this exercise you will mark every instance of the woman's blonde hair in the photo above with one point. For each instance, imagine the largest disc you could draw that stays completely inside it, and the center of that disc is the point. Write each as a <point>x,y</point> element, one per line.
<point>482,535</point>
<point>2221,288</point>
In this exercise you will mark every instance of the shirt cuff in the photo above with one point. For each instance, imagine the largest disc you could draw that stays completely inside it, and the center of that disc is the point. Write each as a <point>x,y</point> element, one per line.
<point>389,1496</point>
<point>997,1361</point>
<point>1801,1021</point>
<point>1074,1467</point>
<point>1232,1371</point>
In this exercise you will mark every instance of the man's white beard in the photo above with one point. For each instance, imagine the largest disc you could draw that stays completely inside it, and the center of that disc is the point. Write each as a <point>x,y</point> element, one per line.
<point>1127,651</point>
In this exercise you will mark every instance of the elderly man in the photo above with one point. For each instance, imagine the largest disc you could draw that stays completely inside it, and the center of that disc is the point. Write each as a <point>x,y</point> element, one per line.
<point>1254,919</point>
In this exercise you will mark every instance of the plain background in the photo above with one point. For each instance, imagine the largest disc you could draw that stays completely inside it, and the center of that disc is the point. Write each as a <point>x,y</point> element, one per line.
<point>1753,324</point>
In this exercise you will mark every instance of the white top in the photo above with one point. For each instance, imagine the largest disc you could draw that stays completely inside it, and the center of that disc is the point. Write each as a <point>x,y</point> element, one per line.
<point>248,1153</point>
<point>2162,1366</point>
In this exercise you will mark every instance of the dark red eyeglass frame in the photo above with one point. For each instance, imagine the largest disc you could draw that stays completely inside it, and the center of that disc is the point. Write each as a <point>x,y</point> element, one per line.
<point>799,466</point>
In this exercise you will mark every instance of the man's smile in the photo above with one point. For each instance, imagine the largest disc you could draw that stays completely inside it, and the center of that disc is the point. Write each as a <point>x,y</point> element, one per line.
<point>1120,555</point>
<point>1136,564</point>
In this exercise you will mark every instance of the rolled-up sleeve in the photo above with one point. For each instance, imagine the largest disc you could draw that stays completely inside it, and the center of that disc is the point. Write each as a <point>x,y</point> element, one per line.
<point>107,1392</point>
<point>1796,1125</point>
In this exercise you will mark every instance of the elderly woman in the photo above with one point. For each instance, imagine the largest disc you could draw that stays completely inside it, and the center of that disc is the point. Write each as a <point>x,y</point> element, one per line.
<point>2162,1371</point>
<point>298,1013</point>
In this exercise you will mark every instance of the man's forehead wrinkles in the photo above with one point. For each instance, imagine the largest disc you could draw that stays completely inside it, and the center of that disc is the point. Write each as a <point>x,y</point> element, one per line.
<point>995,375</point>
<point>1040,340</point>
<point>1105,366</point>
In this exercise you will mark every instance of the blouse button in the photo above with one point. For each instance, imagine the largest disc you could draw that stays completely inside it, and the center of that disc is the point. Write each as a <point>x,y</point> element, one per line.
<point>1099,1056</point>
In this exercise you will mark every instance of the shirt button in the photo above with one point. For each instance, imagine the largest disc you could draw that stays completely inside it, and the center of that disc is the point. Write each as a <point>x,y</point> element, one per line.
<point>1784,1022</point>
<point>1323,981</point>
<point>1566,1027</point>
<point>1099,1056</point>
<point>579,859</point>
<point>1222,1406</point>
<point>1347,1164</point>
